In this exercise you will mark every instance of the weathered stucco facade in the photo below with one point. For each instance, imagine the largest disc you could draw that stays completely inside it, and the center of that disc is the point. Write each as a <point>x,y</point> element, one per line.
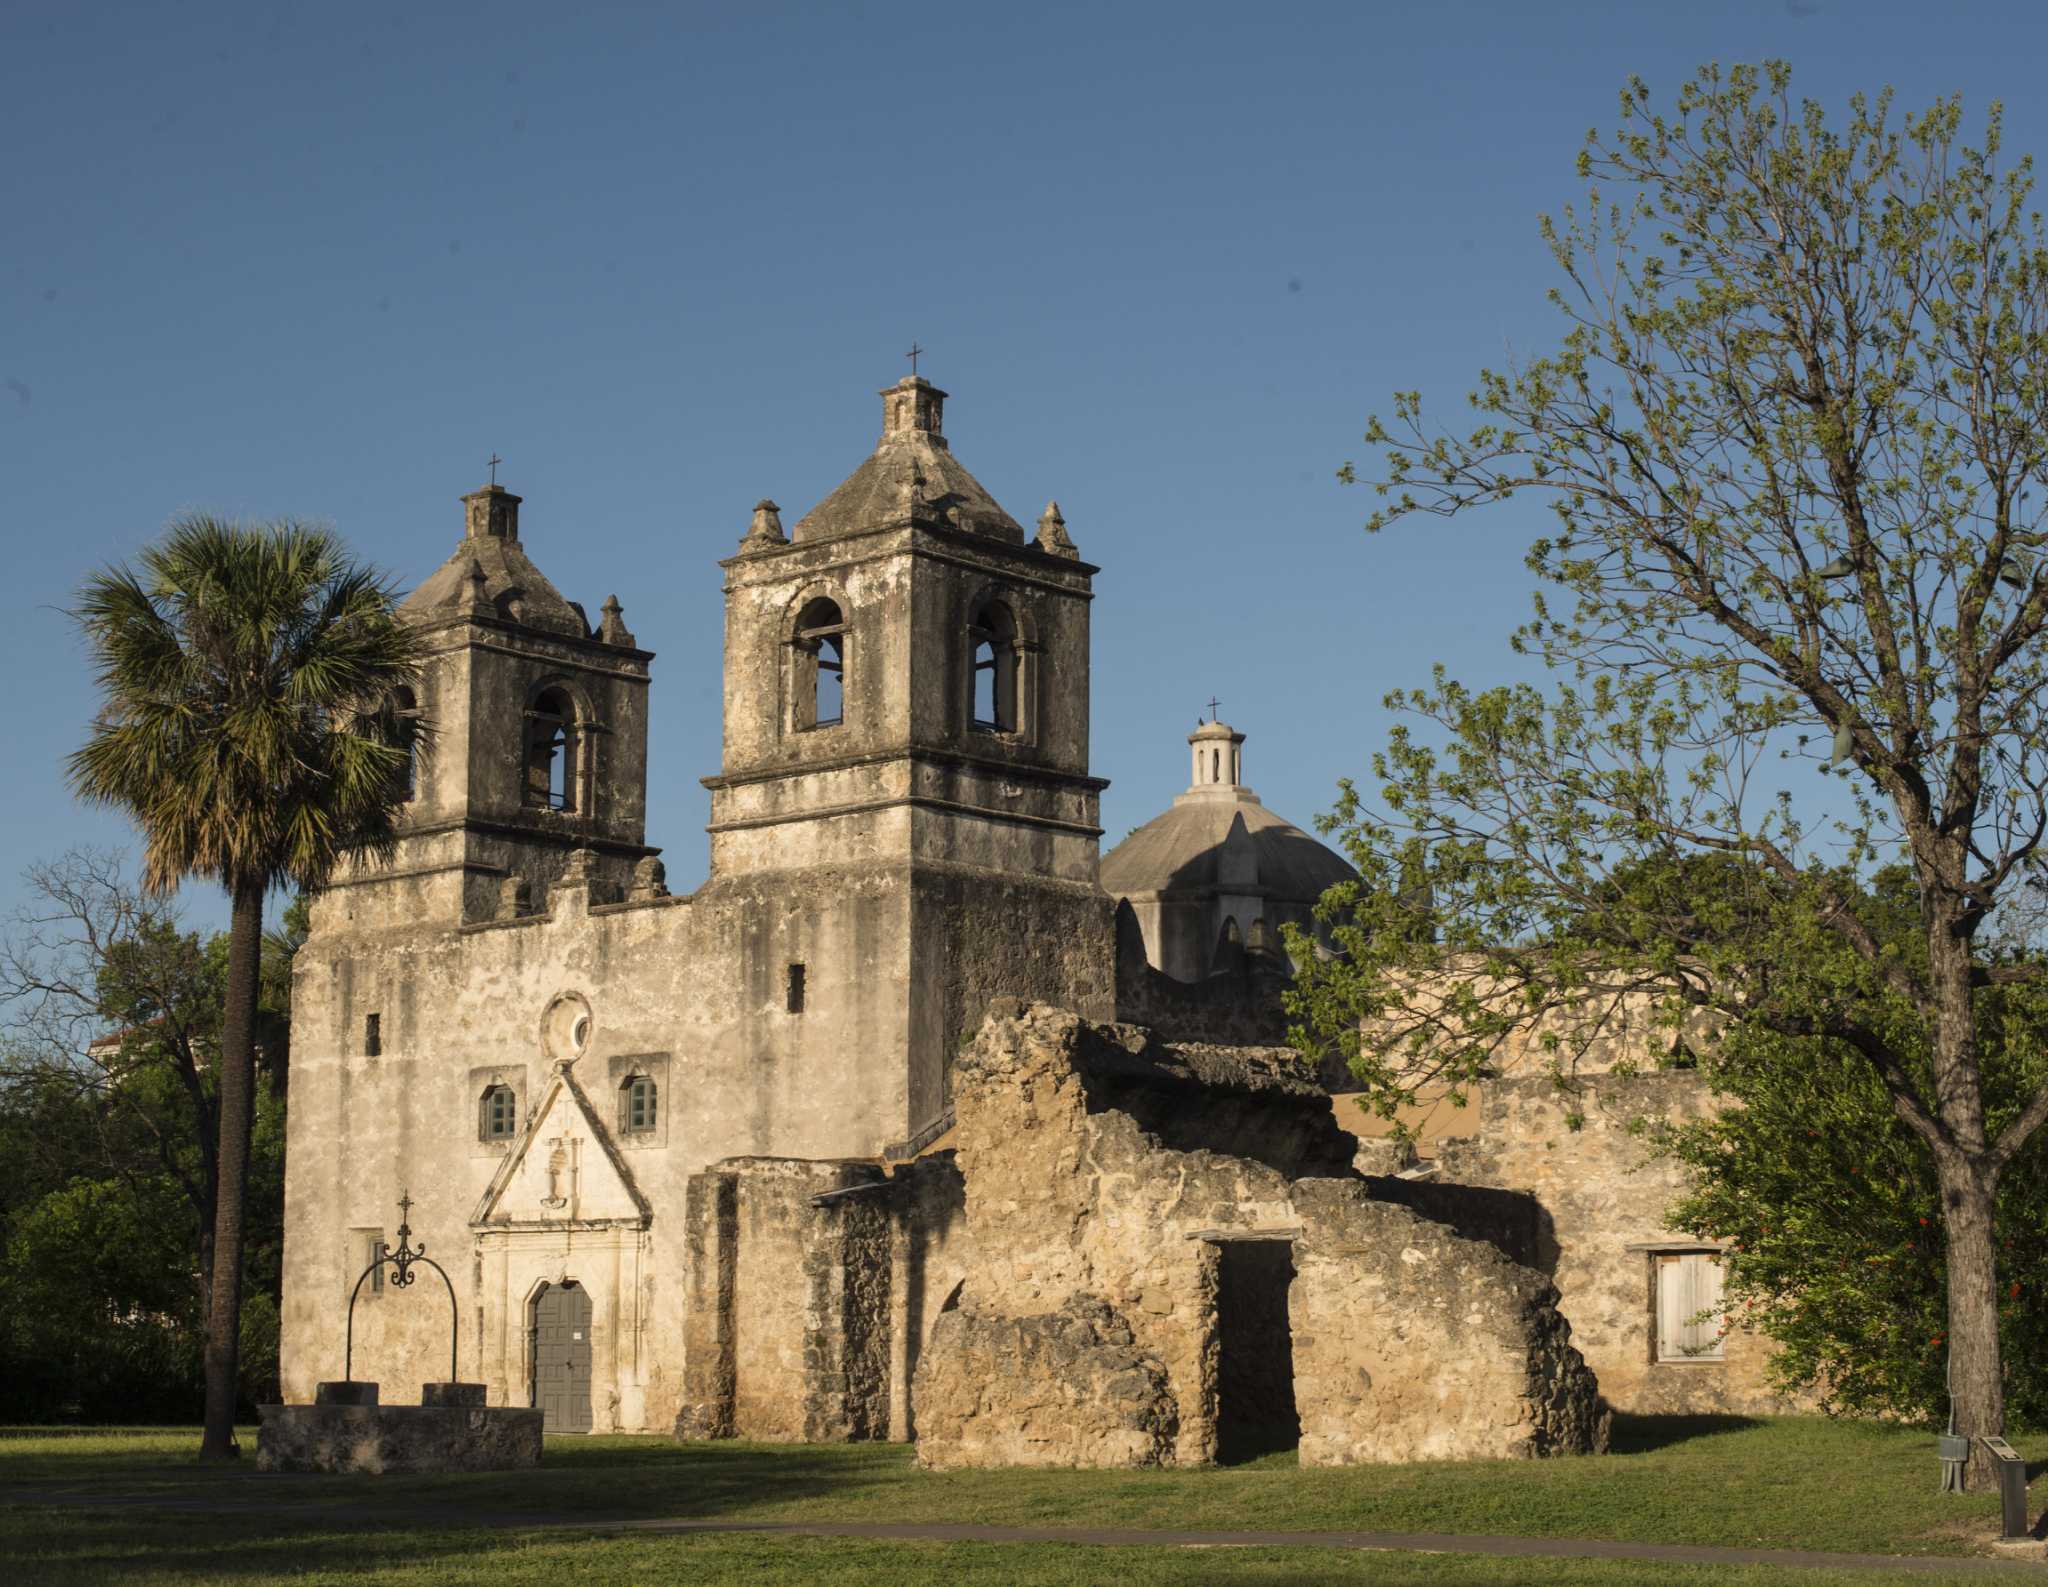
<point>883,861</point>
<point>739,1164</point>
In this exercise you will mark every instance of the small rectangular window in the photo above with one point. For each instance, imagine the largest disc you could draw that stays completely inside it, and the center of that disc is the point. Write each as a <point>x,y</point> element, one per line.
<point>499,1119</point>
<point>369,1244</point>
<point>796,989</point>
<point>636,1107</point>
<point>373,1035</point>
<point>1689,1324</point>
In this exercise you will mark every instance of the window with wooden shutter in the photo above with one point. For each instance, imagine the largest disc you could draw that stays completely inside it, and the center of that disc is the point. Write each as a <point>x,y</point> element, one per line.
<point>498,1114</point>
<point>636,1105</point>
<point>1689,1324</point>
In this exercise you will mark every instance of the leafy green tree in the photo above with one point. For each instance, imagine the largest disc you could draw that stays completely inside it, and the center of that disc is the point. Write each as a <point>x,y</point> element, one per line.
<point>99,1302</point>
<point>1790,443</point>
<point>245,675</point>
<point>108,999</point>
<point>1830,1203</point>
<point>109,1016</point>
<point>1832,1211</point>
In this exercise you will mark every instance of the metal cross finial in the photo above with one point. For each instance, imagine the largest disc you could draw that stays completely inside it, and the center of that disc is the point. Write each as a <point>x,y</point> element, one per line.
<point>495,461</point>
<point>1213,703</point>
<point>404,1214</point>
<point>912,355</point>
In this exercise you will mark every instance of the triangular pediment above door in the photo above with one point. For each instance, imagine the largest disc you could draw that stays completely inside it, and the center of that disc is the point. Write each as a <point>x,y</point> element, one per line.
<point>564,1169</point>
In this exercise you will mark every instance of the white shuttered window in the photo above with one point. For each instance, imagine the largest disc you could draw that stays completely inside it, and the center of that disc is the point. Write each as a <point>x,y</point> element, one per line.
<point>1688,1306</point>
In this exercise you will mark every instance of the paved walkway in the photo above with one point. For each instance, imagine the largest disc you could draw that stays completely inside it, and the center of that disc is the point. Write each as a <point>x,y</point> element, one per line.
<point>1096,1536</point>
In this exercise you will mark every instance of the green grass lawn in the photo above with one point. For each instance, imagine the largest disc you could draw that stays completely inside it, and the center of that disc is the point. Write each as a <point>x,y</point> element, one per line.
<point>1779,1483</point>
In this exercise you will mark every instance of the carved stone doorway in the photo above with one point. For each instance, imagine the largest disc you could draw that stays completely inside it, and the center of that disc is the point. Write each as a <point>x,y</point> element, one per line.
<point>561,1357</point>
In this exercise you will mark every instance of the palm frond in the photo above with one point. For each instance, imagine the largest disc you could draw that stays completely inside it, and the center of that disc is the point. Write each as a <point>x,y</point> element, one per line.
<point>245,674</point>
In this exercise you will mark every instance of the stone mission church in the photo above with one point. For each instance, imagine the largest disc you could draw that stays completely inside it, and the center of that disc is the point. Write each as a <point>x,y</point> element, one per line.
<point>885,1110</point>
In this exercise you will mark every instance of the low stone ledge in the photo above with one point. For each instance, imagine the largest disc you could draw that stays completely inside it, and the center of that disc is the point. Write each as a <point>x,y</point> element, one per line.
<point>468,1396</point>
<point>398,1438</point>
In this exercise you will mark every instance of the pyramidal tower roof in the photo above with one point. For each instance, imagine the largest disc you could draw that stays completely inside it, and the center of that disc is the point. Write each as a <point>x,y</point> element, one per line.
<point>491,570</point>
<point>912,475</point>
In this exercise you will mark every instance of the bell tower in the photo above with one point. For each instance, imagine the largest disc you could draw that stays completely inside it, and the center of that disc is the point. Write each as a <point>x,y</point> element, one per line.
<point>907,659</point>
<point>906,715</point>
<point>535,741</point>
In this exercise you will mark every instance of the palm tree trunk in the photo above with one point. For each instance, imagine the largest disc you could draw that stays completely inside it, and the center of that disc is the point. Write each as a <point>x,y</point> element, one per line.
<point>237,1098</point>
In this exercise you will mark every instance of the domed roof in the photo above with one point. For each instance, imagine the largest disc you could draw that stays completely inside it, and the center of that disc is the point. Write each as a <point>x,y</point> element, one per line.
<point>1218,835</point>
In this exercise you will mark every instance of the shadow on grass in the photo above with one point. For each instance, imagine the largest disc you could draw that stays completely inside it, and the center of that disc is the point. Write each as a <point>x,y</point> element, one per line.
<point>79,1547</point>
<point>686,1480</point>
<point>577,1478</point>
<point>1639,1435</point>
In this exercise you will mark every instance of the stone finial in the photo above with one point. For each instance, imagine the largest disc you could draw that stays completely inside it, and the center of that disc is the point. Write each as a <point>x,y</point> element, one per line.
<point>493,512</point>
<point>913,406</point>
<point>611,628</point>
<point>650,880</point>
<point>1052,533</point>
<point>766,529</point>
<point>515,898</point>
<point>575,890</point>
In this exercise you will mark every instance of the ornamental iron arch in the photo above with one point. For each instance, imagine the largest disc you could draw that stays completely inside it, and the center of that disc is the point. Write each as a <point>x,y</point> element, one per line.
<point>402,1261</point>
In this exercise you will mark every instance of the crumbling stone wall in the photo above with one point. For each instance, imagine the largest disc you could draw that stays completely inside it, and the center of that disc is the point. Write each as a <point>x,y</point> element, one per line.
<point>806,1283</point>
<point>786,1331</point>
<point>1408,1339</point>
<point>1599,1202</point>
<point>1069,1387</point>
<point>1414,1343</point>
<point>931,1251</point>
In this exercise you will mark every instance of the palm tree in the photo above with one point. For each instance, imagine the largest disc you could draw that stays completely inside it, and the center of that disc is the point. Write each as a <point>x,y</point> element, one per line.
<point>245,672</point>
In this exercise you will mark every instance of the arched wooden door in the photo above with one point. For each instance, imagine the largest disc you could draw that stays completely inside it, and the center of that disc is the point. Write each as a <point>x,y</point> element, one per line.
<point>561,1357</point>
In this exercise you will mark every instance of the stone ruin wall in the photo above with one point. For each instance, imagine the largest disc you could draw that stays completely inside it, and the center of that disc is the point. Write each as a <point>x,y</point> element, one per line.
<point>1546,1161</point>
<point>1592,1204</point>
<point>811,1286</point>
<point>1072,1311</point>
<point>1099,1219</point>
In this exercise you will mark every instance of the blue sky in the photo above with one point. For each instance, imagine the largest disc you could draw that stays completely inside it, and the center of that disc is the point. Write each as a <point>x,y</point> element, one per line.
<point>323,261</point>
